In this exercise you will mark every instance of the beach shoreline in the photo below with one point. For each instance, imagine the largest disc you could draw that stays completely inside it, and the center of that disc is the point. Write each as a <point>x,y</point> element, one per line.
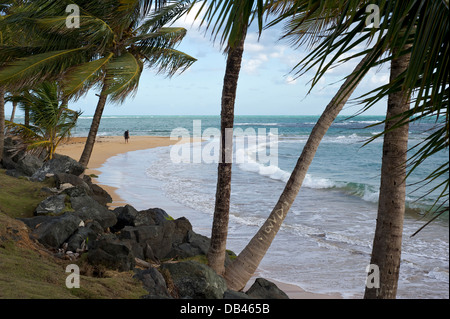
<point>109,146</point>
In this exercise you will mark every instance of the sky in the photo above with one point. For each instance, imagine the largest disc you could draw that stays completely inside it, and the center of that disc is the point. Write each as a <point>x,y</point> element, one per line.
<point>267,85</point>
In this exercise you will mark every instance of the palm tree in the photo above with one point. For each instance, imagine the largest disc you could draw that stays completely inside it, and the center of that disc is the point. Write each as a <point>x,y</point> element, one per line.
<point>51,120</point>
<point>237,17</point>
<point>402,21</point>
<point>244,266</point>
<point>115,41</point>
<point>346,13</point>
<point>386,251</point>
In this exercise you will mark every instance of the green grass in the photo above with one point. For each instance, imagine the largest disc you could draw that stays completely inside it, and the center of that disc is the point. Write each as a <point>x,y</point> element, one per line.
<point>20,197</point>
<point>28,271</point>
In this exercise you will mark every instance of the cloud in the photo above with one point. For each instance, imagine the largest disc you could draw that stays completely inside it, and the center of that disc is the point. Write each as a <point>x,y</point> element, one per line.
<point>253,65</point>
<point>290,80</point>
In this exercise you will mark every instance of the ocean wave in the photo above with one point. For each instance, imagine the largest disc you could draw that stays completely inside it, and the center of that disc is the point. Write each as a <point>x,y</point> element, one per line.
<point>351,122</point>
<point>256,124</point>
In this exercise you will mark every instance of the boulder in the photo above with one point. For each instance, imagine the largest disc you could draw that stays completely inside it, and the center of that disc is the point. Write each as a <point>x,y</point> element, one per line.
<point>59,164</point>
<point>196,280</point>
<point>51,205</point>
<point>86,208</point>
<point>98,193</point>
<point>157,215</point>
<point>149,238</point>
<point>29,164</point>
<point>194,245</point>
<point>82,234</point>
<point>153,282</point>
<point>53,231</point>
<point>231,294</point>
<point>157,240</point>
<point>125,217</point>
<point>112,253</point>
<point>64,178</point>
<point>264,289</point>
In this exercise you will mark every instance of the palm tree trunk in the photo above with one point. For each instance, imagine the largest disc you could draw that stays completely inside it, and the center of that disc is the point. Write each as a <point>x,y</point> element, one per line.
<point>27,116</point>
<point>387,243</point>
<point>2,121</point>
<point>90,141</point>
<point>219,233</point>
<point>244,266</point>
<point>13,113</point>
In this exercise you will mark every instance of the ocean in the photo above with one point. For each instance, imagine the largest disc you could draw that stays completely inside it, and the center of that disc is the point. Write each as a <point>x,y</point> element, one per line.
<point>325,242</point>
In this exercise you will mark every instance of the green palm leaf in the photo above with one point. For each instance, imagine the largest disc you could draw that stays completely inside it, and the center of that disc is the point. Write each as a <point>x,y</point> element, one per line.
<point>122,76</point>
<point>26,71</point>
<point>79,79</point>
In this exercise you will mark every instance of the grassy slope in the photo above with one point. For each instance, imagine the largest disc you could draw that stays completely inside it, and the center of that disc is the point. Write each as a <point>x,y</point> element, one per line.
<point>28,270</point>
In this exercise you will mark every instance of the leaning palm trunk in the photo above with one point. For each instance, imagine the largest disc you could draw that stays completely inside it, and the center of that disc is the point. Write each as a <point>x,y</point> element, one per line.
<point>2,121</point>
<point>13,112</point>
<point>245,265</point>
<point>90,141</point>
<point>387,244</point>
<point>217,249</point>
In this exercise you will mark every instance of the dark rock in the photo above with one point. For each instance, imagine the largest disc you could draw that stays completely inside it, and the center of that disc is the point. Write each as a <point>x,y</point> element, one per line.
<point>59,164</point>
<point>29,164</point>
<point>195,280</point>
<point>161,239</point>
<point>33,222</point>
<point>231,294</point>
<point>149,254</point>
<point>153,282</point>
<point>14,173</point>
<point>81,234</point>
<point>264,289</point>
<point>98,193</point>
<point>51,205</point>
<point>158,215</point>
<point>195,245</point>
<point>54,231</point>
<point>8,163</point>
<point>145,217</point>
<point>76,191</point>
<point>63,178</point>
<point>111,253</point>
<point>125,217</point>
<point>94,226</point>
<point>87,208</point>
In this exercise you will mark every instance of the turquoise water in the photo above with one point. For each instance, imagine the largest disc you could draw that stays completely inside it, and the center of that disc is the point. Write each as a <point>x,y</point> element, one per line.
<point>325,242</point>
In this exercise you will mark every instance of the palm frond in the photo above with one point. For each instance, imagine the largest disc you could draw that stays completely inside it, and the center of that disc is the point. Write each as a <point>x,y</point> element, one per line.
<point>79,79</point>
<point>168,61</point>
<point>28,70</point>
<point>122,76</point>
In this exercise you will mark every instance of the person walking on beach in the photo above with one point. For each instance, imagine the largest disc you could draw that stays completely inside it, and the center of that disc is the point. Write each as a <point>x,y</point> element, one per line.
<point>126,135</point>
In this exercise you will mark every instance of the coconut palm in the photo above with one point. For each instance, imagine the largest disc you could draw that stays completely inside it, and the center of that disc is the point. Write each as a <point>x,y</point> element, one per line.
<point>231,19</point>
<point>109,50</point>
<point>346,14</point>
<point>404,23</point>
<point>51,120</point>
<point>420,29</point>
<point>7,36</point>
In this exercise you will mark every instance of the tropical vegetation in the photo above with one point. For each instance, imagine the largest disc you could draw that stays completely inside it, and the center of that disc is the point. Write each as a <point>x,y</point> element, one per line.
<point>51,121</point>
<point>109,49</point>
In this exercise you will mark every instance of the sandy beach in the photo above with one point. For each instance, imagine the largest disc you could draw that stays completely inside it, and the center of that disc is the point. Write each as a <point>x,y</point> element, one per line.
<point>108,146</point>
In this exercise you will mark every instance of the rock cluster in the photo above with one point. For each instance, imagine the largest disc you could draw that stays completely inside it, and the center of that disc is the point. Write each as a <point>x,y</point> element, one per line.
<point>74,220</point>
